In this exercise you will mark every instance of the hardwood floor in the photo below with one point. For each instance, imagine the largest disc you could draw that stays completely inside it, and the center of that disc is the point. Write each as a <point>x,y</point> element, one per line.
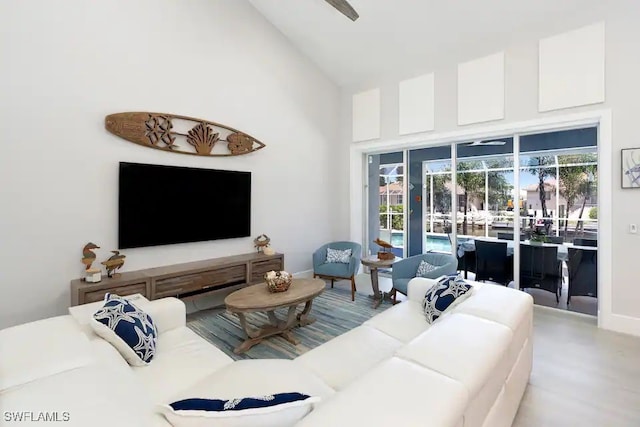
<point>582,376</point>
<point>586,305</point>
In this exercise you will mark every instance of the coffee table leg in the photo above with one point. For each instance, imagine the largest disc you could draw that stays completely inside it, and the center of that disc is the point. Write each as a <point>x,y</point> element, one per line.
<point>277,327</point>
<point>292,320</point>
<point>251,333</point>
<point>274,319</point>
<point>253,336</point>
<point>303,317</point>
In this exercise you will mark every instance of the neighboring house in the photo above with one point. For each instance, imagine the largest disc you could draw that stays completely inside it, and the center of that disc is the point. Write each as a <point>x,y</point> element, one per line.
<point>395,193</point>
<point>534,206</point>
<point>392,193</point>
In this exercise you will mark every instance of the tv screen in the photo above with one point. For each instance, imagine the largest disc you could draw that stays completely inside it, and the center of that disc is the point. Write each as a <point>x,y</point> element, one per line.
<point>161,205</point>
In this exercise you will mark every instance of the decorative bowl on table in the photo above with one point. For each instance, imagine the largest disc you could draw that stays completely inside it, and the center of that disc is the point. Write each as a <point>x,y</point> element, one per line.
<point>278,281</point>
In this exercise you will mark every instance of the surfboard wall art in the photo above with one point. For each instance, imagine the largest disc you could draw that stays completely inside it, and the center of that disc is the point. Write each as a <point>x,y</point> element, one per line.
<point>181,134</point>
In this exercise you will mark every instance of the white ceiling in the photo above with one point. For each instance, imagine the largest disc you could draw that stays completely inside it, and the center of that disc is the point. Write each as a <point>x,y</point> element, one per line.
<point>399,38</point>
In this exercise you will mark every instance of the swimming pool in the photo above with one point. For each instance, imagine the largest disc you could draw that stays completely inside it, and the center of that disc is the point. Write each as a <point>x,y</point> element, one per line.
<point>433,242</point>
<point>437,243</point>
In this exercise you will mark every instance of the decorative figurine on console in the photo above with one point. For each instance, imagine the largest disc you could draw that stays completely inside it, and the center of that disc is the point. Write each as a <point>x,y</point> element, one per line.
<point>261,242</point>
<point>115,262</point>
<point>88,256</point>
<point>385,253</point>
<point>91,275</point>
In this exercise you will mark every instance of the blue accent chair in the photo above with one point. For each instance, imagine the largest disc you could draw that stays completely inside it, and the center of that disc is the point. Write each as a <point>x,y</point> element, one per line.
<point>405,270</point>
<point>338,271</point>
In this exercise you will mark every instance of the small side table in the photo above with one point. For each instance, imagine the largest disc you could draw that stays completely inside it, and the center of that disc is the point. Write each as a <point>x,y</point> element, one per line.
<point>374,264</point>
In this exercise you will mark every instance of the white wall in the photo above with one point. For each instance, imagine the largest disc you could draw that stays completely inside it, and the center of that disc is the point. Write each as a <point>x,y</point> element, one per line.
<point>521,103</point>
<point>65,65</point>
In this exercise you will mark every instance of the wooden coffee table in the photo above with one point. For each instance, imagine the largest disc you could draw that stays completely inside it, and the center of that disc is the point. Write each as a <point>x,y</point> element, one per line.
<point>258,298</point>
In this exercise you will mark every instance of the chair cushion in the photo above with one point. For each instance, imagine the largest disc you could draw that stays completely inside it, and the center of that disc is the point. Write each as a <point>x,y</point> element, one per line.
<point>464,347</point>
<point>182,359</point>
<point>92,395</point>
<point>444,295</point>
<point>403,321</point>
<point>257,377</point>
<point>348,356</point>
<point>338,255</point>
<point>396,392</point>
<point>130,330</point>
<point>40,349</point>
<point>333,269</point>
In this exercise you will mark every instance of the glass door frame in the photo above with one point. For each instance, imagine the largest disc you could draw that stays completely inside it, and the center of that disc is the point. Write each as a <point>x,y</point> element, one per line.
<point>431,195</point>
<point>366,245</point>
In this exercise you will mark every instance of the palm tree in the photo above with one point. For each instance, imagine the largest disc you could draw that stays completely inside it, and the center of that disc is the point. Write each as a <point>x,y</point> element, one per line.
<point>536,168</point>
<point>471,183</point>
<point>586,189</point>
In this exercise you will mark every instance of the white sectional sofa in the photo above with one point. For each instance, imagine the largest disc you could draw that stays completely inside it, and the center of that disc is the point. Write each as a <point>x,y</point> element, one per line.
<point>469,368</point>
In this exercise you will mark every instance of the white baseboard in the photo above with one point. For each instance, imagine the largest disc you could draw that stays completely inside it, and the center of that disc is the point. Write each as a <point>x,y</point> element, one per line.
<point>303,274</point>
<point>563,312</point>
<point>621,323</point>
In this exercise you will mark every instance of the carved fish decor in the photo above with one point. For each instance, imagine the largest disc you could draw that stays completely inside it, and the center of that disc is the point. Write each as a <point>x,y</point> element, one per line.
<point>197,137</point>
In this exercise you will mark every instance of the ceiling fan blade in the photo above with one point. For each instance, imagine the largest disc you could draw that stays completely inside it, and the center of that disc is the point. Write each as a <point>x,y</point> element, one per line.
<point>478,143</point>
<point>345,8</point>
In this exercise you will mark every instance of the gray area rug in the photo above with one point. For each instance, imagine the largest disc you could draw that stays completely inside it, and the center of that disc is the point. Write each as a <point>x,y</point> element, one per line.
<point>334,311</point>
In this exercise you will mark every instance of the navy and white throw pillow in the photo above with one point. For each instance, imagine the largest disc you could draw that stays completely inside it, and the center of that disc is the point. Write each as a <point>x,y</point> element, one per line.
<point>130,330</point>
<point>277,410</point>
<point>445,294</point>
<point>339,256</point>
<point>425,268</point>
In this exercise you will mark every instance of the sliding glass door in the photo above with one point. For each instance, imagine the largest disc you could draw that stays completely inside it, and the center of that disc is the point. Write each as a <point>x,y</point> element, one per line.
<point>450,197</point>
<point>558,179</point>
<point>386,201</point>
<point>430,202</point>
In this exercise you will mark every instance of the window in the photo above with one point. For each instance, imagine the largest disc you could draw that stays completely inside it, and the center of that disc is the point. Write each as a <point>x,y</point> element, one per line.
<point>569,176</point>
<point>391,193</point>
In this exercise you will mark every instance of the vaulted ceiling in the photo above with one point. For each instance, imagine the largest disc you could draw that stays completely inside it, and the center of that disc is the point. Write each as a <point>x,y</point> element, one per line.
<point>398,38</point>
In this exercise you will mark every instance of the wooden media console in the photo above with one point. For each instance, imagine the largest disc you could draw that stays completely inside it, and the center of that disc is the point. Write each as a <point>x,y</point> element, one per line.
<point>182,280</point>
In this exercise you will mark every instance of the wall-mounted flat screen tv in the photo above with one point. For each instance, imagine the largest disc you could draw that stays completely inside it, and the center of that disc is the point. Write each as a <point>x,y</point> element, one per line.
<point>162,205</point>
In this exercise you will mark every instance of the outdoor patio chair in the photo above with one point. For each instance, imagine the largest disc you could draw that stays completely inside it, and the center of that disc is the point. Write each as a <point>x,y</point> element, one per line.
<point>583,273</point>
<point>493,263</point>
<point>585,242</point>
<point>540,268</point>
